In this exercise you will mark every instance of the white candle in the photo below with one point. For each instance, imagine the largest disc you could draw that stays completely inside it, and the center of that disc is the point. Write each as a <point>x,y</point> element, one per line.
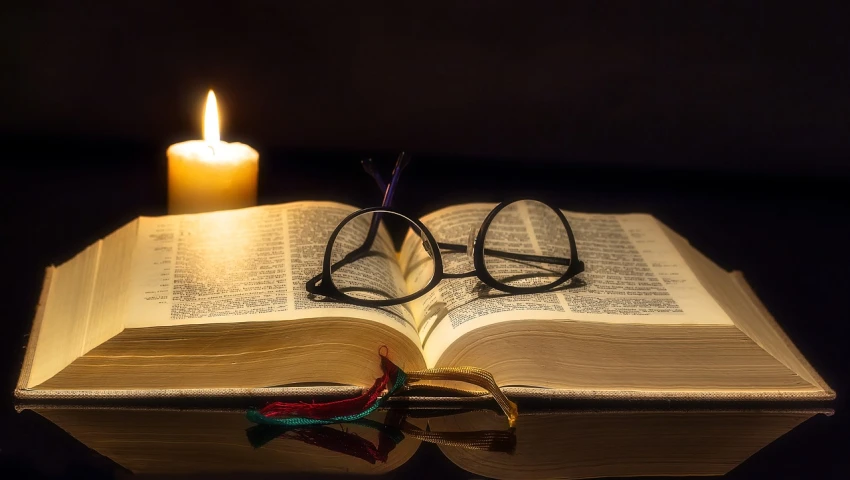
<point>207,175</point>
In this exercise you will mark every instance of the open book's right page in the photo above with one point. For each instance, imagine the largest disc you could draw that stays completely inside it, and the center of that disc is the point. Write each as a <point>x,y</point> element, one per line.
<point>633,274</point>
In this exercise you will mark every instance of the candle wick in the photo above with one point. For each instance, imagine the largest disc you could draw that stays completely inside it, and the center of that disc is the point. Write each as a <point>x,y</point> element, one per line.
<point>211,148</point>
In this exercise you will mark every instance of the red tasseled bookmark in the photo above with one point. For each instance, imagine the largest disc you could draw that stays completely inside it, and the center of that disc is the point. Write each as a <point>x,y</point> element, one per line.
<point>336,408</point>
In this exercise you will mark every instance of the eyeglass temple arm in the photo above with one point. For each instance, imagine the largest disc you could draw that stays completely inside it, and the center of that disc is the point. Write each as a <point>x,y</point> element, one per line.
<point>389,191</point>
<point>513,256</point>
<point>353,256</point>
<point>369,167</point>
<point>388,188</point>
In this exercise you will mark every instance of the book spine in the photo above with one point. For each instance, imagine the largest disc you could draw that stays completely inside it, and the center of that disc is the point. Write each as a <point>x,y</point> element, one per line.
<point>26,366</point>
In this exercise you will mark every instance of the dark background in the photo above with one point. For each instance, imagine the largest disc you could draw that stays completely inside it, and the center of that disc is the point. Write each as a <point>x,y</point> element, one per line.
<point>736,85</point>
<point>729,121</point>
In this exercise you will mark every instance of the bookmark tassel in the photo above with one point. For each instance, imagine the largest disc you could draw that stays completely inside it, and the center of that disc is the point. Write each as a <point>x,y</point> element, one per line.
<point>339,408</point>
<point>393,379</point>
<point>340,411</point>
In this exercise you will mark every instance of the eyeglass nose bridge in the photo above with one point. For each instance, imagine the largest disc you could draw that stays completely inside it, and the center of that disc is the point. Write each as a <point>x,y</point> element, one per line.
<point>460,249</point>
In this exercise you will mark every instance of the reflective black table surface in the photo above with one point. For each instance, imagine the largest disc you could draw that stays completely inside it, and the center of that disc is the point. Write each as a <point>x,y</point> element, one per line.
<point>787,233</point>
<point>567,443</point>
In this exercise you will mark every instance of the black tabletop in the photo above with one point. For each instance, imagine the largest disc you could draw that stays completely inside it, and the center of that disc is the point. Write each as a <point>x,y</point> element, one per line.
<point>787,233</point>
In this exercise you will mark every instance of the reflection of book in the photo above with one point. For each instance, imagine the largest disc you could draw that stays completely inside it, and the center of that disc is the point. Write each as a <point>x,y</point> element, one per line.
<point>615,444</point>
<point>214,305</point>
<point>210,441</point>
<point>565,444</point>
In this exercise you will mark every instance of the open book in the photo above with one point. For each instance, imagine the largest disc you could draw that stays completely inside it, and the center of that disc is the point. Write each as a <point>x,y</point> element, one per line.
<point>215,304</point>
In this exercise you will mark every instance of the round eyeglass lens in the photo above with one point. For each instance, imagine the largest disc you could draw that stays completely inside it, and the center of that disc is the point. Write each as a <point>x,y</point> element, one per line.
<point>364,264</point>
<point>526,245</point>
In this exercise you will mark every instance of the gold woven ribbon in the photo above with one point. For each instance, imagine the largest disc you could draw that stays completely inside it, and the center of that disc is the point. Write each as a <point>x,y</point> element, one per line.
<point>473,375</point>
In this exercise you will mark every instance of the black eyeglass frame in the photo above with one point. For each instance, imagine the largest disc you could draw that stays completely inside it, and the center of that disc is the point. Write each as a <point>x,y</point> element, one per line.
<point>323,284</point>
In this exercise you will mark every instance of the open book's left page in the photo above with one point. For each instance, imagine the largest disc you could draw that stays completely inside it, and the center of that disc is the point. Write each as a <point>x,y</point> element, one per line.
<point>243,265</point>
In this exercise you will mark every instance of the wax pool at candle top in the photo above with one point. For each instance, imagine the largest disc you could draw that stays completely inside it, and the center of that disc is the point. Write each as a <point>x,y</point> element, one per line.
<point>213,152</point>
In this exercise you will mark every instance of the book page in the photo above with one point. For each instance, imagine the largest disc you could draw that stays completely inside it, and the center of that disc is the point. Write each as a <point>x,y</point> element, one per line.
<point>245,265</point>
<point>633,274</point>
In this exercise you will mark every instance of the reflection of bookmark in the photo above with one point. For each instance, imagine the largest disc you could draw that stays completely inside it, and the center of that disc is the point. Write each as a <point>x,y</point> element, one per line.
<point>391,432</point>
<point>486,440</point>
<point>330,438</point>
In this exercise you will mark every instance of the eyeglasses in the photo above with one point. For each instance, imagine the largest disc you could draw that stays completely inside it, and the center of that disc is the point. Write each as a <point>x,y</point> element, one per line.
<point>522,246</point>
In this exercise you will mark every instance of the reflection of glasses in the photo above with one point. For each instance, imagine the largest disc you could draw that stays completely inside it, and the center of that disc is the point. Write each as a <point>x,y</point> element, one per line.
<point>521,246</point>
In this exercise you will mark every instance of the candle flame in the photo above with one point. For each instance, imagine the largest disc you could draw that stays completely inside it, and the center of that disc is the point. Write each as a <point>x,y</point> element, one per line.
<point>211,130</point>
